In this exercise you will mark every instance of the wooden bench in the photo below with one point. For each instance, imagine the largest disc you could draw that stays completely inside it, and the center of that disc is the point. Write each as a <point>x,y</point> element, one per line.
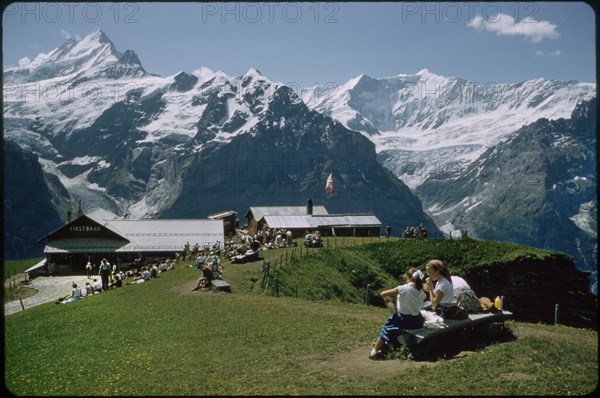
<point>221,285</point>
<point>425,341</point>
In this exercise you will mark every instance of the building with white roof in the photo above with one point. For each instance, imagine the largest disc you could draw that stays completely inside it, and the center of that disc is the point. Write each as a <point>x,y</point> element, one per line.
<point>300,220</point>
<point>102,234</point>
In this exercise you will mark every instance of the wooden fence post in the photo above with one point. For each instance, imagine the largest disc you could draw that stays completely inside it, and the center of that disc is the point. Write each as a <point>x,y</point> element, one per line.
<point>275,290</point>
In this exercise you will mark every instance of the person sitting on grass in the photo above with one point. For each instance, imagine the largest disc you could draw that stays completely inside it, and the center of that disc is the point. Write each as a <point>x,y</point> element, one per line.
<point>75,295</point>
<point>137,278</point>
<point>154,271</point>
<point>406,313</point>
<point>89,289</point>
<point>171,266</point>
<point>205,279</point>
<point>97,286</point>
<point>164,266</point>
<point>116,280</point>
<point>146,274</point>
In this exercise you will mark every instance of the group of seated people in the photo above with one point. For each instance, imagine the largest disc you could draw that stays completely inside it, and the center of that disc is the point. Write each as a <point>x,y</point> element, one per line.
<point>195,251</point>
<point>211,261</point>
<point>246,251</point>
<point>116,279</point>
<point>312,240</point>
<point>78,293</point>
<point>415,232</point>
<point>450,297</point>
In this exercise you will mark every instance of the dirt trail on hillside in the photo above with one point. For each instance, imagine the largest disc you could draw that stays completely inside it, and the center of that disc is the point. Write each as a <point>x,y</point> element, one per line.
<point>355,363</point>
<point>43,289</point>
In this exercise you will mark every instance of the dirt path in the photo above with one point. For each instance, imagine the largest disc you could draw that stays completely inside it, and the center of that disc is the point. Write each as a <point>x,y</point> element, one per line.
<point>355,362</point>
<point>48,289</point>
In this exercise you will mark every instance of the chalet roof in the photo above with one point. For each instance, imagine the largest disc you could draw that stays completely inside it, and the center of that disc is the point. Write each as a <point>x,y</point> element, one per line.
<point>349,220</point>
<point>101,215</point>
<point>168,235</point>
<point>222,214</point>
<point>323,221</point>
<point>140,235</point>
<point>261,211</point>
<point>289,222</point>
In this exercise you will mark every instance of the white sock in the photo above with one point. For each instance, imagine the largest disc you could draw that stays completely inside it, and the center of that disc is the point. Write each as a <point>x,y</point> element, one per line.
<point>373,351</point>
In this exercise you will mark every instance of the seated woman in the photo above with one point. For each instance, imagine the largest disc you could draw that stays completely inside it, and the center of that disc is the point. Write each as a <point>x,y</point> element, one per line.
<point>97,286</point>
<point>115,280</point>
<point>75,295</point>
<point>464,296</point>
<point>407,314</point>
<point>89,289</point>
<point>205,279</point>
<point>140,277</point>
<point>442,295</point>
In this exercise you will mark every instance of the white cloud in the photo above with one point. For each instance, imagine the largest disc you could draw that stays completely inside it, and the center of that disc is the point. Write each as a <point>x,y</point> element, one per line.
<point>65,34</point>
<point>551,53</point>
<point>24,61</point>
<point>505,25</point>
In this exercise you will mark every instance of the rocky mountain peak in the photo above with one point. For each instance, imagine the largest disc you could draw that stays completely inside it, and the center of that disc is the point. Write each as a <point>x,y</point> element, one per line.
<point>129,57</point>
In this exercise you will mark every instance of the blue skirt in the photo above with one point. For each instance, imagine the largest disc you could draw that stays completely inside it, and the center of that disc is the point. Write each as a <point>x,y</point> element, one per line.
<point>396,322</point>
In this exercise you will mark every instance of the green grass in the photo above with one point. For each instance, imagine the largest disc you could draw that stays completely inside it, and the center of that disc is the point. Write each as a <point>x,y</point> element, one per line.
<point>13,267</point>
<point>343,272</point>
<point>13,275</point>
<point>159,338</point>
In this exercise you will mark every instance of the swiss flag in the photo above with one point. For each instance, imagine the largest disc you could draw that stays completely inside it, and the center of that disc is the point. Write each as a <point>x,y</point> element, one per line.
<point>329,184</point>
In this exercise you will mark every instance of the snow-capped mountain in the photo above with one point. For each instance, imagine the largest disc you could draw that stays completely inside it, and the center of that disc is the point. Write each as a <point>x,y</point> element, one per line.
<point>538,187</point>
<point>426,124</point>
<point>502,161</point>
<point>72,109</point>
<point>117,137</point>
<point>93,57</point>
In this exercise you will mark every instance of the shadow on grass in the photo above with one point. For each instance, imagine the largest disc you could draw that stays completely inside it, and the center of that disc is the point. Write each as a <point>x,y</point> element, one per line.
<point>450,345</point>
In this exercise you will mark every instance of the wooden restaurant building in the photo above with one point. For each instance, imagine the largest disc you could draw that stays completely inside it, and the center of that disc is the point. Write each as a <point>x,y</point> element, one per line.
<point>102,234</point>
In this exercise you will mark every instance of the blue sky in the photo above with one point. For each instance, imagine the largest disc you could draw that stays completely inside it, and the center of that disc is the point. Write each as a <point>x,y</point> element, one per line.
<point>321,43</point>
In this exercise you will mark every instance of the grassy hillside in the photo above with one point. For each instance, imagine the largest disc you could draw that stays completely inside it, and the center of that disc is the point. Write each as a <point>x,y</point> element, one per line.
<point>161,338</point>
<point>344,272</point>
<point>13,267</point>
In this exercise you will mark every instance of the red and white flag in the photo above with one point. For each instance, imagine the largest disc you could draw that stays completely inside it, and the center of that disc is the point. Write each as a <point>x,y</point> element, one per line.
<point>329,184</point>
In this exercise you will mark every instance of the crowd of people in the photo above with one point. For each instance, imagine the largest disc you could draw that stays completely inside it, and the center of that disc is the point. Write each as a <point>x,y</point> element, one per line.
<point>112,278</point>
<point>415,232</point>
<point>448,296</point>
